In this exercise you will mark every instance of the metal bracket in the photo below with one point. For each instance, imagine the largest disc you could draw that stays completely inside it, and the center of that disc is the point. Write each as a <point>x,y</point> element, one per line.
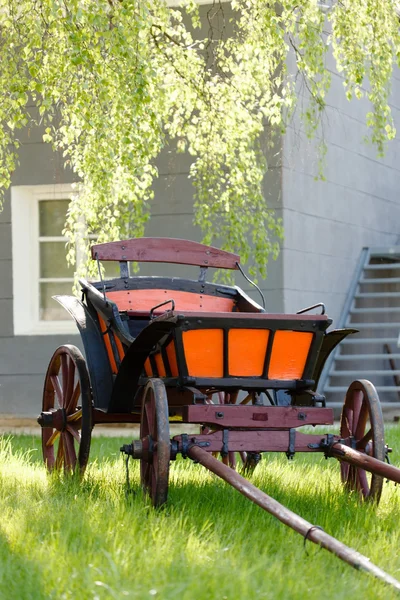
<point>292,444</point>
<point>202,275</point>
<point>123,270</point>
<point>198,397</point>
<point>320,305</point>
<point>174,449</point>
<point>185,444</point>
<point>257,400</point>
<point>101,278</point>
<point>325,444</point>
<point>170,301</point>
<point>225,448</point>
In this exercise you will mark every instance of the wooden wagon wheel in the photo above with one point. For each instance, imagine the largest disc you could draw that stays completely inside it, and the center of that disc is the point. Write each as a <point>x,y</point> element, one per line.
<point>154,433</point>
<point>362,421</point>
<point>67,395</point>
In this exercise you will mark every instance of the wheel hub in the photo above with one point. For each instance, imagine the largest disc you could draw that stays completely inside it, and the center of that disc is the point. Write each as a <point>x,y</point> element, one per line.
<point>54,419</point>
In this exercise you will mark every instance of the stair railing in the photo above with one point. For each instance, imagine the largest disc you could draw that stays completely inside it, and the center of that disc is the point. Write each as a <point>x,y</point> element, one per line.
<point>348,303</point>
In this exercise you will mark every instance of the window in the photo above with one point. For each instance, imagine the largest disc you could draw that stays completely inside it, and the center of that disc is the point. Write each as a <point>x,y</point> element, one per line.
<point>40,269</point>
<point>55,275</point>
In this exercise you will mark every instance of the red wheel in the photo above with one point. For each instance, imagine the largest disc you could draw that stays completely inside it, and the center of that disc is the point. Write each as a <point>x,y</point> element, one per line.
<point>67,399</point>
<point>154,433</point>
<point>361,424</point>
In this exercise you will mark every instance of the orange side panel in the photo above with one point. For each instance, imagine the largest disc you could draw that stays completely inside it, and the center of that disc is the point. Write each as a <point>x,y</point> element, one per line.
<point>120,348</point>
<point>160,365</point>
<point>289,354</point>
<point>144,300</point>
<point>147,368</point>
<point>204,352</point>
<point>247,349</point>
<point>107,342</point>
<point>171,353</point>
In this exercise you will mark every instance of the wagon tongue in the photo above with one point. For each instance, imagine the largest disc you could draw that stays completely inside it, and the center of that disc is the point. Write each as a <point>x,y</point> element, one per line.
<point>307,530</point>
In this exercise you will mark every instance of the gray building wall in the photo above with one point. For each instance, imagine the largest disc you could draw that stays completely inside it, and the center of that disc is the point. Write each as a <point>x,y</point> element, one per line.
<point>24,359</point>
<point>327,223</point>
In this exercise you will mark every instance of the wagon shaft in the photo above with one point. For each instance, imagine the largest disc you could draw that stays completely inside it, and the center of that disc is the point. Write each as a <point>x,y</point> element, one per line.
<point>289,518</point>
<point>353,457</point>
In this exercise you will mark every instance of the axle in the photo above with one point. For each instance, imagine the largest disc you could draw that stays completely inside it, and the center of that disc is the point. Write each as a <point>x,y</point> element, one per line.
<point>258,441</point>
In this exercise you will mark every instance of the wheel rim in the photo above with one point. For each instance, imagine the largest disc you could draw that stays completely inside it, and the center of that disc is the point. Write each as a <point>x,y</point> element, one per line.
<point>154,433</point>
<point>362,425</point>
<point>67,395</point>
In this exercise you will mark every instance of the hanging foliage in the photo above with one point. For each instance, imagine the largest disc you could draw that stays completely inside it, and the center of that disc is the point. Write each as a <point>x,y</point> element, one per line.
<point>113,80</point>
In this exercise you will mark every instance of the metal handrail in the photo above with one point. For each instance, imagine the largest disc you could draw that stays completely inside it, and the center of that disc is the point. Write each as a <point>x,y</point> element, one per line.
<point>362,261</point>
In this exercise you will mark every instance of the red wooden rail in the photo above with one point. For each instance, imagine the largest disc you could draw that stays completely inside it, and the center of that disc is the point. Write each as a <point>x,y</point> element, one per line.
<point>166,250</point>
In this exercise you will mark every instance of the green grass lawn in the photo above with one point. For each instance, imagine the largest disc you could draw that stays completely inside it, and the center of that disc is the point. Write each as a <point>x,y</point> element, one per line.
<point>61,539</point>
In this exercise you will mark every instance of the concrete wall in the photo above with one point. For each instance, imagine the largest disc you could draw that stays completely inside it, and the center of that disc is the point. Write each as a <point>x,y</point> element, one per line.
<point>328,222</point>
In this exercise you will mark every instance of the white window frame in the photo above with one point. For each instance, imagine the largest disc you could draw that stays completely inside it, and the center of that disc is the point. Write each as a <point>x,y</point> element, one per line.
<point>25,259</point>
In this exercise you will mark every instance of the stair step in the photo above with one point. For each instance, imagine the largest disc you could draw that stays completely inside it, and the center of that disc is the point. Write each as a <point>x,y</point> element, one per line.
<point>383,309</point>
<point>385,252</point>
<point>377,295</point>
<point>366,356</point>
<point>387,325</point>
<point>393,265</point>
<point>383,388</point>
<point>380,280</point>
<point>366,341</point>
<point>363,374</point>
<point>387,407</point>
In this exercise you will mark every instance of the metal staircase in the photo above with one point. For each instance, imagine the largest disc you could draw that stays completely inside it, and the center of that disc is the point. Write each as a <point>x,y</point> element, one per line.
<point>373,307</point>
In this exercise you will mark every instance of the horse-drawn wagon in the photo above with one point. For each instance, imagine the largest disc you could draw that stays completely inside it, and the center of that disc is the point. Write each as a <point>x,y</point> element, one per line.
<point>167,348</point>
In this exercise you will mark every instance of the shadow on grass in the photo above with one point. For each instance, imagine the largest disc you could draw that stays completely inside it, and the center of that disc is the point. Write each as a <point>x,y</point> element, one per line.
<point>20,578</point>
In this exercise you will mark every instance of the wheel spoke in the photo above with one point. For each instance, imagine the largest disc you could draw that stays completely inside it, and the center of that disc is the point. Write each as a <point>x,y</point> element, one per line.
<point>75,416</point>
<point>344,471</point>
<point>232,460</point>
<point>357,402</point>
<point>347,421</point>
<point>362,422</point>
<point>145,474</point>
<point>70,454</point>
<point>243,456</point>
<point>54,436</point>
<point>362,482</point>
<point>74,432</point>
<point>361,444</point>
<point>246,400</point>
<point>64,371</point>
<point>69,391</point>
<point>351,477</point>
<point>60,454</point>
<point>151,421</point>
<point>74,398</point>
<point>58,389</point>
